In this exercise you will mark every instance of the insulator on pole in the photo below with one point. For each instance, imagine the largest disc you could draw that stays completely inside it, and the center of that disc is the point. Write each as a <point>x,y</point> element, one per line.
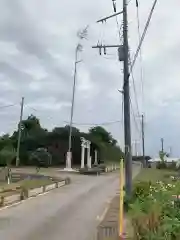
<point>114,6</point>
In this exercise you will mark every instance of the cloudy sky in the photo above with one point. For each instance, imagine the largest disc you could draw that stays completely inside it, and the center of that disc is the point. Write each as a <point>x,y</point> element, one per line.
<point>37,43</point>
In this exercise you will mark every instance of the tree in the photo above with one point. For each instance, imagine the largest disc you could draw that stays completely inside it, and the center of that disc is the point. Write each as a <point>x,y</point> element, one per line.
<point>103,135</point>
<point>30,127</point>
<point>109,151</point>
<point>7,154</point>
<point>66,129</point>
<point>5,140</point>
<point>162,156</point>
<point>41,158</point>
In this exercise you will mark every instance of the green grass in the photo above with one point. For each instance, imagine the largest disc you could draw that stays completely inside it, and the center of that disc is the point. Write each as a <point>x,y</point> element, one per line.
<point>154,175</point>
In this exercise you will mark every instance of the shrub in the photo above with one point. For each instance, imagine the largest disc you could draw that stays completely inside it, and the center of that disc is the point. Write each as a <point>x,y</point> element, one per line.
<point>172,166</point>
<point>141,190</point>
<point>161,165</point>
<point>41,158</point>
<point>155,214</point>
<point>7,154</point>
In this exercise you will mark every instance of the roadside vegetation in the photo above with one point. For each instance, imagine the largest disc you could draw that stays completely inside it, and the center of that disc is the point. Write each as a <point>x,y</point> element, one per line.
<point>48,148</point>
<point>154,209</point>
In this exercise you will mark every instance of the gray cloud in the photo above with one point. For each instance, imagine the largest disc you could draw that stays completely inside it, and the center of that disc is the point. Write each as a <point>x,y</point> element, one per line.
<point>37,43</point>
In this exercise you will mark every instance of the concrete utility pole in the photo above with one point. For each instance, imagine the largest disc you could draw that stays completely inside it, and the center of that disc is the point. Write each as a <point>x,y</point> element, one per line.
<point>143,144</point>
<point>162,144</point>
<point>19,132</point>
<point>127,121</point>
<point>170,151</point>
<point>123,54</point>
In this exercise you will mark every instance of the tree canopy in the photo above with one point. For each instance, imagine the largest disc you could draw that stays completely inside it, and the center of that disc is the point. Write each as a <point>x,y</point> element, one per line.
<point>103,135</point>
<point>34,136</point>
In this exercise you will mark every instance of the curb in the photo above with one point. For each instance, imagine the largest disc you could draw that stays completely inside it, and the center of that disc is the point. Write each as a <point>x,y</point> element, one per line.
<point>18,198</point>
<point>109,230</point>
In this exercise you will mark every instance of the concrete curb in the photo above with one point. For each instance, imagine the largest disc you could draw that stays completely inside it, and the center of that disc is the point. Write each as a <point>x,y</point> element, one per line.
<point>14,199</point>
<point>109,229</point>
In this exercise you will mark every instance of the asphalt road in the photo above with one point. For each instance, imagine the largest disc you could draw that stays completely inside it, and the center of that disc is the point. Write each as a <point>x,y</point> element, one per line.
<point>71,212</point>
<point>67,213</point>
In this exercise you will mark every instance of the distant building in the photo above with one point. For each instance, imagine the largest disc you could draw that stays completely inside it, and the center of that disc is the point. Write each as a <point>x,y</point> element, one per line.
<point>166,159</point>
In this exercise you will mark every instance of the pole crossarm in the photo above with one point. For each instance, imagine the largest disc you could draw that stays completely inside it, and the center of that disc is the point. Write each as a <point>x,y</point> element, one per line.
<point>106,46</point>
<point>111,16</point>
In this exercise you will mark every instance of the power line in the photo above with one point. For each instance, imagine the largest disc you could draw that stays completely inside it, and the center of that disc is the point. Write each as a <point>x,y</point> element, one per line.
<point>84,124</point>
<point>95,124</point>
<point>144,33</point>
<point>134,86</point>
<point>7,106</point>
<point>134,117</point>
<point>140,51</point>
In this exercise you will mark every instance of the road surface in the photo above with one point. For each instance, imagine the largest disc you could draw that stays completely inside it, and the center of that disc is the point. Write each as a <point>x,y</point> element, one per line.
<point>63,214</point>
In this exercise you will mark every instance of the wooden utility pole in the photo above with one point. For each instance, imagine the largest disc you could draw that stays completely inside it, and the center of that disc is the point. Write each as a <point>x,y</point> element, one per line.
<point>19,133</point>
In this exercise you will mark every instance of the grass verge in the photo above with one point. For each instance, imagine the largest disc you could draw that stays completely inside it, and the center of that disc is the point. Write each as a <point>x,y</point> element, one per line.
<point>154,175</point>
<point>153,211</point>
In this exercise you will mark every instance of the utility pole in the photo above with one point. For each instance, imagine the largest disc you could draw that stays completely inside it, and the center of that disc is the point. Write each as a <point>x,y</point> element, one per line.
<point>170,151</point>
<point>162,145</point>
<point>127,121</point>
<point>143,144</point>
<point>123,54</point>
<point>19,132</point>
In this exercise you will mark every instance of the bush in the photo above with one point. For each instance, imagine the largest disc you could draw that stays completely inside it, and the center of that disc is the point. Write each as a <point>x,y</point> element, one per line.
<point>172,166</point>
<point>161,165</point>
<point>155,214</point>
<point>41,158</point>
<point>141,190</point>
<point>7,154</point>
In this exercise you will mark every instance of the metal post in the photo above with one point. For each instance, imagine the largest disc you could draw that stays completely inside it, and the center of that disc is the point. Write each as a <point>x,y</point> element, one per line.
<point>127,122</point>
<point>19,133</point>
<point>143,145</point>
